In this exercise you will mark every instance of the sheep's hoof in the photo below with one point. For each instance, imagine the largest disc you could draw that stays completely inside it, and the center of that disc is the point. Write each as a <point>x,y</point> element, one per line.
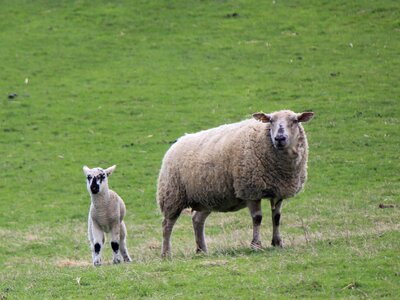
<point>256,245</point>
<point>201,251</point>
<point>277,242</point>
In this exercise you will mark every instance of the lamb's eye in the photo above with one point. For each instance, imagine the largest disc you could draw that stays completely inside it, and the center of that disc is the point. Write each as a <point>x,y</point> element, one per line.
<point>89,177</point>
<point>102,176</point>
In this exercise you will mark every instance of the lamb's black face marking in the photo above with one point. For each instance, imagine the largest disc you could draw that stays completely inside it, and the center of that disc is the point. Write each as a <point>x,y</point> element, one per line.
<point>95,181</point>
<point>101,177</point>
<point>115,246</point>
<point>97,248</point>
<point>94,187</point>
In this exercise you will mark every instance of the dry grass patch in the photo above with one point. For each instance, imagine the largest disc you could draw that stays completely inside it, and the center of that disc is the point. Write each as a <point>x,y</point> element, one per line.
<point>72,263</point>
<point>214,263</point>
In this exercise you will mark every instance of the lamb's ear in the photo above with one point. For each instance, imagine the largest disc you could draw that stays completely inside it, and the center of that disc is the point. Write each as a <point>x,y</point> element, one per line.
<point>262,117</point>
<point>110,170</point>
<point>305,116</point>
<point>86,170</point>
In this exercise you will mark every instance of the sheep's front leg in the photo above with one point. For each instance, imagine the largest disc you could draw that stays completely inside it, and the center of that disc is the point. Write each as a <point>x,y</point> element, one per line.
<point>115,240</point>
<point>276,216</point>
<point>256,215</point>
<point>124,249</point>
<point>97,241</point>
<point>198,220</point>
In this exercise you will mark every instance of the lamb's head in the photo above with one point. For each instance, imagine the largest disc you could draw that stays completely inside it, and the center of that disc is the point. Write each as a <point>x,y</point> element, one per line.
<point>285,126</point>
<point>97,179</point>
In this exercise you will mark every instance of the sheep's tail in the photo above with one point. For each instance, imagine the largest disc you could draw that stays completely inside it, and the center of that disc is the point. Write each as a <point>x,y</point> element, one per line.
<point>160,202</point>
<point>171,196</point>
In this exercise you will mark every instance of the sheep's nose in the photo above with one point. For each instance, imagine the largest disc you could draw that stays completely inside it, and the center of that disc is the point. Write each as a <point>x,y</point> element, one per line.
<point>280,138</point>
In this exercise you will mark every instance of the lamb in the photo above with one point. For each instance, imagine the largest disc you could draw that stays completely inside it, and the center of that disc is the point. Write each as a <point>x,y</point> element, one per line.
<point>106,214</point>
<point>230,167</point>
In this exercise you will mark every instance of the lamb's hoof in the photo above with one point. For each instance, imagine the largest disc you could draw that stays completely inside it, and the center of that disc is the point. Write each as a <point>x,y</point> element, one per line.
<point>127,259</point>
<point>277,242</point>
<point>256,245</point>
<point>97,262</point>
<point>116,260</point>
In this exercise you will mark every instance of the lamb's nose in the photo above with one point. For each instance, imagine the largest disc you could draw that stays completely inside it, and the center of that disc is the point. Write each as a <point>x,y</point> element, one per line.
<point>94,187</point>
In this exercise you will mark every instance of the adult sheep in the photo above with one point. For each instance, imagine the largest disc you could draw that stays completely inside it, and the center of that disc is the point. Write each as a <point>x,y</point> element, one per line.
<point>233,166</point>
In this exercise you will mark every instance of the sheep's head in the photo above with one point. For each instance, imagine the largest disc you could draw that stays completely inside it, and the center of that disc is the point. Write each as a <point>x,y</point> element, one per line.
<point>284,126</point>
<point>97,178</point>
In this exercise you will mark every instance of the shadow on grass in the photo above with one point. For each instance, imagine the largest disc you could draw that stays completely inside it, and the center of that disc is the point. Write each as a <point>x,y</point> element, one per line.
<point>238,252</point>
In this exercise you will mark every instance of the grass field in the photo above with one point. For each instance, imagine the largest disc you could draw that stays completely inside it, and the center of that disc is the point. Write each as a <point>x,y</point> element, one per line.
<point>99,83</point>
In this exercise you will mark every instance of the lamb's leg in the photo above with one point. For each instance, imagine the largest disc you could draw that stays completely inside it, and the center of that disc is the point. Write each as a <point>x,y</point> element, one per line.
<point>199,219</point>
<point>90,236</point>
<point>124,250</point>
<point>256,214</point>
<point>115,243</point>
<point>276,216</point>
<point>168,224</point>
<point>98,242</point>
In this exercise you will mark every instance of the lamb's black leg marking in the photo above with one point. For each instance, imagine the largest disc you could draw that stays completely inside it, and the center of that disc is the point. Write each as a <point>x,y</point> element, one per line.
<point>97,248</point>
<point>115,246</point>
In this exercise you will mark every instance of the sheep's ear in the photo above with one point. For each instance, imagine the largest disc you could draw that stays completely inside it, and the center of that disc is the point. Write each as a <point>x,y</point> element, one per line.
<point>110,170</point>
<point>305,116</point>
<point>86,170</point>
<point>262,117</point>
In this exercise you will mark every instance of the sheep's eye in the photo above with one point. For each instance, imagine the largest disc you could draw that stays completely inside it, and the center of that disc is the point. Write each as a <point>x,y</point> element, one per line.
<point>89,177</point>
<point>102,176</point>
<point>295,121</point>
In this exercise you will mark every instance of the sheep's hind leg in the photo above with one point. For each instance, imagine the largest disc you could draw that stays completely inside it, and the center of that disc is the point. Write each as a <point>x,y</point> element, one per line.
<point>123,248</point>
<point>199,219</point>
<point>168,224</point>
<point>256,214</point>
<point>276,216</point>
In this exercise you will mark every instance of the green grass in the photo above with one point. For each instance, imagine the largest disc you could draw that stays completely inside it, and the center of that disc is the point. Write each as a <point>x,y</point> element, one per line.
<point>115,82</point>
